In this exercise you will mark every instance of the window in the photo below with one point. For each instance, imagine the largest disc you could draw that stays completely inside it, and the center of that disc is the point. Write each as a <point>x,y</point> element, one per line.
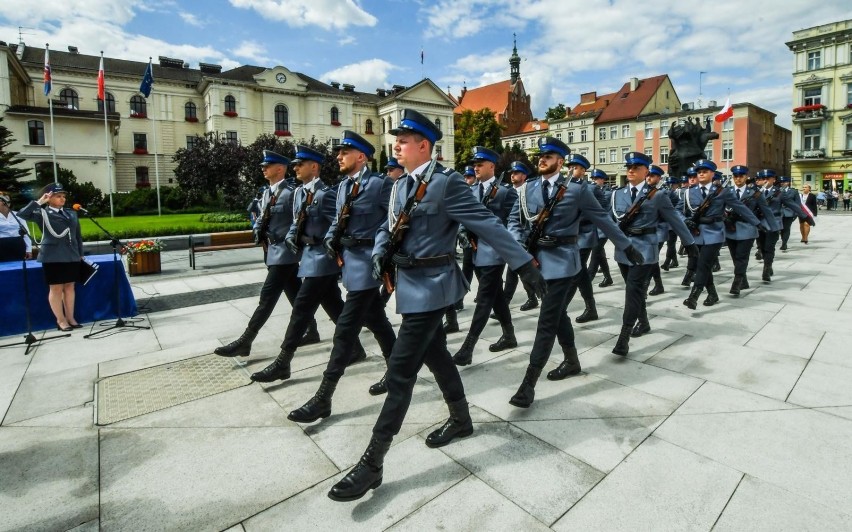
<point>849,94</point>
<point>335,142</point>
<point>584,152</point>
<point>613,132</point>
<point>814,60</point>
<point>110,100</point>
<point>335,116</point>
<point>438,123</point>
<point>601,156</point>
<point>613,155</point>
<point>390,123</point>
<point>708,151</point>
<point>728,125</point>
<point>559,136</point>
<point>142,177</point>
<point>812,96</point>
<point>664,128</point>
<point>571,137</point>
<point>664,155</point>
<point>523,144</point>
<point>368,127</point>
<point>650,153</point>
<point>384,126</point>
<point>584,135</point>
<point>601,133</point>
<point>282,118</point>
<point>69,98</point>
<point>810,138</point>
<point>625,131</point>
<point>439,151</point>
<point>140,143</point>
<point>727,150</point>
<point>190,112</point>
<point>624,153</point>
<point>849,136</point>
<point>230,104</point>
<point>192,141</point>
<point>649,130</point>
<point>138,107</point>
<point>231,136</point>
<point>36,131</point>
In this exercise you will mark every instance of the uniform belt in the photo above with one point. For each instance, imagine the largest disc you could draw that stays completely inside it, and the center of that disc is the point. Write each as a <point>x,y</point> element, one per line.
<point>555,241</point>
<point>709,219</point>
<point>636,231</point>
<point>309,240</point>
<point>407,261</point>
<point>351,242</point>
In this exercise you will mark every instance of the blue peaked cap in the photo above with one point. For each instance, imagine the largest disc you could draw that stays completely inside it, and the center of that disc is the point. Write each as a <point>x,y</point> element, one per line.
<point>271,157</point>
<point>354,140</point>
<point>414,122</point>
<point>656,170</point>
<point>553,145</point>
<point>739,170</point>
<point>481,153</point>
<point>763,174</point>
<point>637,157</point>
<point>599,174</point>
<point>393,163</point>
<point>579,159</point>
<point>518,166</point>
<point>305,153</point>
<point>704,163</point>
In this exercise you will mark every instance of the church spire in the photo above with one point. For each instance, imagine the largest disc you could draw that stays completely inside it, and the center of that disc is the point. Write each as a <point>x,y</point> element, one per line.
<point>515,61</point>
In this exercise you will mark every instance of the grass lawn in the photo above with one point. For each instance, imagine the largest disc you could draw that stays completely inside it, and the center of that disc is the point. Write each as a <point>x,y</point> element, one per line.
<point>151,226</point>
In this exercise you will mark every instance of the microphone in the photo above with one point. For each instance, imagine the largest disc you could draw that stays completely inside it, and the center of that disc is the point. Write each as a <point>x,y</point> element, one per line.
<point>79,208</point>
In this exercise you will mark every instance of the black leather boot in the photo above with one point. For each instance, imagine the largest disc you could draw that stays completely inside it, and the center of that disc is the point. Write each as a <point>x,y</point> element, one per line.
<point>529,304</point>
<point>311,336</point>
<point>365,476</point>
<point>278,370</point>
<point>318,406</point>
<point>526,393</point>
<point>692,301</point>
<point>767,273</point>
<point>459,306</point>
<point>758,255</point>
<point>716,266</point>
<point>643,326</point>
<point>589,314</point>
<point>464,356</point>
<point>745,284</point>
<point>241,347</point>
<point>358,354</point>
<point>607,281</point>
<point>570,365</point>
<point>675,263</point>
<point>666,264</point>
<point>682,251</point>
<point>736,285</point>
<point>658,288</point>
<point>687,278</point>
<point>622,345</point>
<point>381,387</point>
<point>458,426</point>
<point>506,341</point>
<point>712,297</point>
<point>452,325</point>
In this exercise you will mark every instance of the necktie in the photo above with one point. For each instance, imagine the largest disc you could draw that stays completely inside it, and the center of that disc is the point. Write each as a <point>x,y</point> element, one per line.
<point>703,192</point>
<point>545,190</point>
<point>738,193</point>
<point>481,192</point>
<point>633,192</point>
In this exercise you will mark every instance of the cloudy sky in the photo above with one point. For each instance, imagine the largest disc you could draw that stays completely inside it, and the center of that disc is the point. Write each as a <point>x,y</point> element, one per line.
<point>567,46</point>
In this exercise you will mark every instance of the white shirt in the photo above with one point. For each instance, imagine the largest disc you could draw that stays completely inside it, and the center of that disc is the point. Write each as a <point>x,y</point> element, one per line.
<point>552,180</point>
<point>9,228</point>
<point>312,186</point>
<point>741,191</point>
<point>486,186</point>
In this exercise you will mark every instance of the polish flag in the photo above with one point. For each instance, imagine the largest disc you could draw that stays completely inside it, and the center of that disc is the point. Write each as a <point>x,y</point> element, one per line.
<point>48,79</point>
<point>101,88</point>
<point>726,112</point>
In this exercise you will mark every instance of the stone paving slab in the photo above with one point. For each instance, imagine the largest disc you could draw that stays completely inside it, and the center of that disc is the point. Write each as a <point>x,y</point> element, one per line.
<point>823,385</point>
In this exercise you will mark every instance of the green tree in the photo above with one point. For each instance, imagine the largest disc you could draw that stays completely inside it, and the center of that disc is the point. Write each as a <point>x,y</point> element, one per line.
<point>383,160</point>
<point>476,128</point>
<point>10,176</point>
<point>211,170</point>
<point>86,194</point>
<point>556,113</point>
<point>504,163</point>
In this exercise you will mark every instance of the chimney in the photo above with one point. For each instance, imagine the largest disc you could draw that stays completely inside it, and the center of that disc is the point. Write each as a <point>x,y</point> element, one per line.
<point>73,50</point>
<point>170,62</point>
<point>398,88</point>
<point>335,84</point>
<point>588,97</point>
<point>348,88</point>
<point>634,84</point>
<point>210,68</point>
<point>19,50</point>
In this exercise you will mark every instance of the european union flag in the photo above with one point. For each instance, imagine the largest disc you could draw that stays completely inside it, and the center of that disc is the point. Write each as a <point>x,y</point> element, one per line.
<point>147,80</point>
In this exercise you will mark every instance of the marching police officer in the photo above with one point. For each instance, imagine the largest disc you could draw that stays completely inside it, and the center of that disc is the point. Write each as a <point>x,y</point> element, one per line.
<point>638,207</point>
<point>598,259</point>
<point>362,206</point>
<point>703,206</point>
<point>519,175</point>
<point>587,240</point>
<point>432,201</point>
<point>777,201</point>
<point>740,236</point>
<point>788,214</point>
<point>313,213</point>
<point>655,174</point>
<point>557,252</point>
<point>452,325</point>
<point>282,265</point>
<point>674,193</point>
<point>487,263</point>
<point>393,169</point>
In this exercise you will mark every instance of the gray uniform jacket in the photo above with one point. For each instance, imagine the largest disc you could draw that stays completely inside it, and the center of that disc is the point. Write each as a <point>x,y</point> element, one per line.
<point>587,237</point>
<point>792,197</point>
<point>648,221</point>
<point>69,248</point>
<point>369,211</point>
<point>564,260</point>
<point>778,201</point>
<point>432,232</point>
<point>604,196</point>
<point>757,205</point>
<point>713,230</point>
<point>315,263</point>
<point>501,205</point>
<point>280,220</point>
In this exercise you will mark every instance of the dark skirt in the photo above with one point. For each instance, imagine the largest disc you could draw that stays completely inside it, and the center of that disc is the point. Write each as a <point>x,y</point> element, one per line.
<point>61,272</point>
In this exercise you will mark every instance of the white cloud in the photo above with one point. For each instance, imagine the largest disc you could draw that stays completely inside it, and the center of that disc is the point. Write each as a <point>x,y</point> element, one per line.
<point>253,51</point>
<point>365,75</point>
<point>191,19</point>
<point>327,14</point>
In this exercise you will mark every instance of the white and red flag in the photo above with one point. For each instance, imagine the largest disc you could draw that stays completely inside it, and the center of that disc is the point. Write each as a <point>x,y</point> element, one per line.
<point>47,77</point>
<point>101,87</point>
<point>726,112</point>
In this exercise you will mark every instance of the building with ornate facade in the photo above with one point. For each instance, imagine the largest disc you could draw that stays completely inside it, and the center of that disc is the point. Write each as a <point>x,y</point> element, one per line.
<point>822,106</point>
<point>237,104</point>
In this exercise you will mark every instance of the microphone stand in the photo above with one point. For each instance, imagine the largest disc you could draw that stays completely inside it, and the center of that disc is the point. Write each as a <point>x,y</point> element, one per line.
<point>29,339</point>
<point>117,268</point>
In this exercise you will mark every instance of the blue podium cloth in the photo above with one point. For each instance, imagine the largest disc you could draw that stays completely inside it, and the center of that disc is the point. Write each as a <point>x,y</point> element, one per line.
<point>95,301</point>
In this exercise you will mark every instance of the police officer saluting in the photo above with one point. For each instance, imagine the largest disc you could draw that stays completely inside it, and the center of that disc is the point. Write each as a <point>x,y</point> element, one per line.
<point>362,206</point>
<point>431,201</point>
<point>638,207</point>
<point>739,235</point>
<point>282,265</point>
<point>554,244</point>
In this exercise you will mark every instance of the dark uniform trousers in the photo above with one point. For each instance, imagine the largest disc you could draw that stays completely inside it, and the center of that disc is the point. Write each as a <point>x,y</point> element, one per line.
<point>467,264</point>
<point>671,246</point>
<point>315,291</point>
<point>512,285</point>
<point>584,279</point>
<point>787,222</point>
<point>740,250</point>
<point>489,295</point>
<point>598,259</point>
<point>553,320</point>
<point>766,241</point>
<point>421,340</point>
<point>279,278</point>
<point>703,268</point>
<point>362,308</point>
<point>636,280</point>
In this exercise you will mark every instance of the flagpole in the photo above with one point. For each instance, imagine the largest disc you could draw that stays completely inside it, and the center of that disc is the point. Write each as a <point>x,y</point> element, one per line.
<point>156,162</point>
<point>106,146</point>
<point>50,106</point>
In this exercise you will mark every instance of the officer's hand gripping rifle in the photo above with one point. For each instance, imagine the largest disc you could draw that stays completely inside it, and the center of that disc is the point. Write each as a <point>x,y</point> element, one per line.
<point>537,230</point>
<point>302,217</point>
<point>698,213</point>
<point>343,221</point>
<point>626,220</point>
<point>265,220</point>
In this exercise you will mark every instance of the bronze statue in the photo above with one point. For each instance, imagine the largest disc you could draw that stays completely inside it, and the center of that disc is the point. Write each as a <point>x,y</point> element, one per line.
<point>688,142</point>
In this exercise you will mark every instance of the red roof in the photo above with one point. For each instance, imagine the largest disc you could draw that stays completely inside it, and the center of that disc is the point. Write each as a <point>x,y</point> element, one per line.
<point>627,104</point>
<point>530,127</point>
<point>599,104</point>
<point>494,97</point>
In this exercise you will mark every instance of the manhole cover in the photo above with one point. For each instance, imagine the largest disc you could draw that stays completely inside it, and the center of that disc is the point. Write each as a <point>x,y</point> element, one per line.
<point>148,390</point>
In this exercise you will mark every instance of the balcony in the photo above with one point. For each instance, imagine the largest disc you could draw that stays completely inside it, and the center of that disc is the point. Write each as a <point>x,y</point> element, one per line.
<point>818,153</point>
<point>809,113</point>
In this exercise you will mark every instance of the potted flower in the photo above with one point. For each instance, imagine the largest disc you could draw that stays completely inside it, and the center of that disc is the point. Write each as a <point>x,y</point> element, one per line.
<point>143,256</point>
<point>230,113</point>
<point>282,133</point>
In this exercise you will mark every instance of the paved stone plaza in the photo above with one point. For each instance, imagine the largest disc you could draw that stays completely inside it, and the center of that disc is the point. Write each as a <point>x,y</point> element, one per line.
<point>737,417</point>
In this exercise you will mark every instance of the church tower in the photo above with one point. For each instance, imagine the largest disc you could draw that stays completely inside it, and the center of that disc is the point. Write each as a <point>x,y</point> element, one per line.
<point>515,61</point>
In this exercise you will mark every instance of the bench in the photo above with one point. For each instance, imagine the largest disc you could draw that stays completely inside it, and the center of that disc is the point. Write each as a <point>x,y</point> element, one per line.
<point>221,241</point>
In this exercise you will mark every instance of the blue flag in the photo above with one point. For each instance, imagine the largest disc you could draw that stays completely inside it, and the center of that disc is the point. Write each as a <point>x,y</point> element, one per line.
<point>147,80</point>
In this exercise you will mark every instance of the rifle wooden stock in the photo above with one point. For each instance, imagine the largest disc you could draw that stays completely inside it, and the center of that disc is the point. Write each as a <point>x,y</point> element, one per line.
<point>541,219</point>
<point>634,209</point>
<point>343,222</point>
<point>302,217</point>
<point>397,234</point>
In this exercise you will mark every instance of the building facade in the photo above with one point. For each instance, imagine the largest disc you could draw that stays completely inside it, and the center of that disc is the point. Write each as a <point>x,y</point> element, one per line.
<point>822,106</point>
<point>238,104</point>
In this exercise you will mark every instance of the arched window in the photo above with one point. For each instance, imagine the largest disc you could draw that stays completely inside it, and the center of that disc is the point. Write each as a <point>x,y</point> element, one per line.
<point>384,126</point>
<point>138,107</point>
<point>438,123</point>
<point>36,131</point>
<point>282,118</point>
<point>335,116</point>
<point>110,101</point>
<point>190,112</point>
<point>69,98</point>
<point>390,123</point>
<point>230,104</point>
<point>368,127</point>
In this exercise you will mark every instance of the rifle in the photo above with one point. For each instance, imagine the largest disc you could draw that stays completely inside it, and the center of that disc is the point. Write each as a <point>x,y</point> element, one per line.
<point>266,219</point>
<point>472,238</point>
<point>634,209</point>
<point>698,213</point>
<point>302,217</point>
<point>343,220</point>
<point>537,230</point>
<point>401,226</point>
<point>731,217</point>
